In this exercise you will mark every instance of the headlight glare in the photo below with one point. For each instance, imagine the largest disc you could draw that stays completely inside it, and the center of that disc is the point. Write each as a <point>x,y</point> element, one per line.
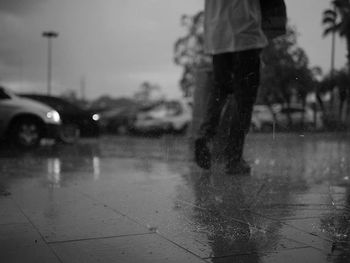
<point>53,116</point>
<point>96,117</point>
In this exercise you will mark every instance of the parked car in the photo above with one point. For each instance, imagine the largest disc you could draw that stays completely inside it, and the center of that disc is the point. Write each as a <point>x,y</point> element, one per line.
<point>118,121</point>
<point>263,118</point>
<point>76,122</point>
<point>25,122</point>
<point>169,117</point>
<point>300,117</point>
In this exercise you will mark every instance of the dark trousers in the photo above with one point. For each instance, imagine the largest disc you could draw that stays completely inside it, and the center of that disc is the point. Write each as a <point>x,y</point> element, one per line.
<point>235,73</point>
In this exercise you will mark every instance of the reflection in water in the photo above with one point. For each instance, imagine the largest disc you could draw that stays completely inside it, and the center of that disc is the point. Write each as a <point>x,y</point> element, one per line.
<point>291,179</point>
<point>96,167</point>
<point>247,215</point>
<point>250,215</point>
<point>59,168</point>
<point>336,224</point>
<point>54,172</point>
<point>224,209</point>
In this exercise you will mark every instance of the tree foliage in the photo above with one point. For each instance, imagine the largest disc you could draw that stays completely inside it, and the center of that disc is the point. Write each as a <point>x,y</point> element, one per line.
<point>189,51</point>
<point>285,70</point>
<point>341,80</point>
<point>148,93</point>
<point>337,20</point>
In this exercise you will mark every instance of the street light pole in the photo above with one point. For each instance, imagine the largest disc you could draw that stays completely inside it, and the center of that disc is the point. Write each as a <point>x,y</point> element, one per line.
<point>49,35</point>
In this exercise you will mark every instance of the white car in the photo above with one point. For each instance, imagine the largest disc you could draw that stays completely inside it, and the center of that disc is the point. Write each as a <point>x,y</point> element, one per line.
<point>173,116</point>
<point>25,122</point>
<point>263,118</point>
<point>299,117</point>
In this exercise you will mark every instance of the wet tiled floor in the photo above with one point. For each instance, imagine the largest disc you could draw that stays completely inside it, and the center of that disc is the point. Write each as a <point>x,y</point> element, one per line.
<point>120,199</point>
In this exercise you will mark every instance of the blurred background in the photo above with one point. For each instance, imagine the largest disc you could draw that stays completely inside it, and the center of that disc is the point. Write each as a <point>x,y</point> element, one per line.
<point>126,68</point>
<point>131,77</point>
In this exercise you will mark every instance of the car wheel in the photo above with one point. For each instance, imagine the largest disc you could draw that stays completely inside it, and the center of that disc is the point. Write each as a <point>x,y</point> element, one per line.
<point>26,133</point>
<point>69,133</point>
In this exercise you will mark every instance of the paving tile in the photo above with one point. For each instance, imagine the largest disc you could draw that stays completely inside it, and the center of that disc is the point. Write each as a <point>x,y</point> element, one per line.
<point>333,230</point>
<point>301,255</point>
<point>324,199</point>
<point>284,230</point>
<point>10,213</point>
<point>274,210</point>
<point>287,214</point>
<point>313,226</point>
<point>132,249</point>
<point>21,243</point>
<point>306,237</point>
<point>158,210</point>
<point>148,194</point>
<point>168,205</point>
<point>292,212</point>
<point>63,214</point>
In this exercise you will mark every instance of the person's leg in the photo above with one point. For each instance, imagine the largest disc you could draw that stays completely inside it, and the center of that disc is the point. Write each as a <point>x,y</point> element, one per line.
<point>222,85</point>
<point>247,77</point>
<point>222,81</point>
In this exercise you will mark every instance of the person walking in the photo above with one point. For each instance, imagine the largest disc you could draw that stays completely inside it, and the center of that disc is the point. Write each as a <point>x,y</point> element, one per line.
<point>233,35</point>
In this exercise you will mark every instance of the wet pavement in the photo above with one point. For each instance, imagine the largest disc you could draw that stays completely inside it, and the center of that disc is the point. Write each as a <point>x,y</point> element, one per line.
<point>120,199</point>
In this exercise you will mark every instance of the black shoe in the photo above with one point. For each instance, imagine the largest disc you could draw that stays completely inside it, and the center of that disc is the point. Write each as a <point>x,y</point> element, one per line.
<point>202,153</point>
<point>238,167</point>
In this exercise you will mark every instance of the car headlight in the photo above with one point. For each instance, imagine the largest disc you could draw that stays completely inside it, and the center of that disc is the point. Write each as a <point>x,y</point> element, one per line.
<point>53,116</point>
<point>96,117</point>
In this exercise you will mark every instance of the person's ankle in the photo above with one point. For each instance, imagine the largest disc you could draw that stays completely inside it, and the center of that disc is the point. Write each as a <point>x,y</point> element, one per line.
<point>202,153</point>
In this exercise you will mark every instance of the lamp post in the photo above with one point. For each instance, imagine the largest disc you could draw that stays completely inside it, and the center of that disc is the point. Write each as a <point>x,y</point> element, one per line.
<point>49,35</point>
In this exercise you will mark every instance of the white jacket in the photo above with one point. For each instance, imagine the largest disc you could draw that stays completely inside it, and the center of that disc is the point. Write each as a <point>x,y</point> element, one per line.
<point>232,25</point>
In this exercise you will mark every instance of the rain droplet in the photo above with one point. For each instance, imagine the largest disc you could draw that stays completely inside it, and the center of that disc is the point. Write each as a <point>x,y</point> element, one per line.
<point>152,228</point>
<point>177,206</point>
<point>218,199</point>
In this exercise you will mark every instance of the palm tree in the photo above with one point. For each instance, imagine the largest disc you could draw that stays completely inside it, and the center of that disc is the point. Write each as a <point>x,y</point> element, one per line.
<point>337,20</point>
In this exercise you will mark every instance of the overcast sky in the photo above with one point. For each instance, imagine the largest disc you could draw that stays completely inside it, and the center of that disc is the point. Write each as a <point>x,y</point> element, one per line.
<point>115,45</point>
